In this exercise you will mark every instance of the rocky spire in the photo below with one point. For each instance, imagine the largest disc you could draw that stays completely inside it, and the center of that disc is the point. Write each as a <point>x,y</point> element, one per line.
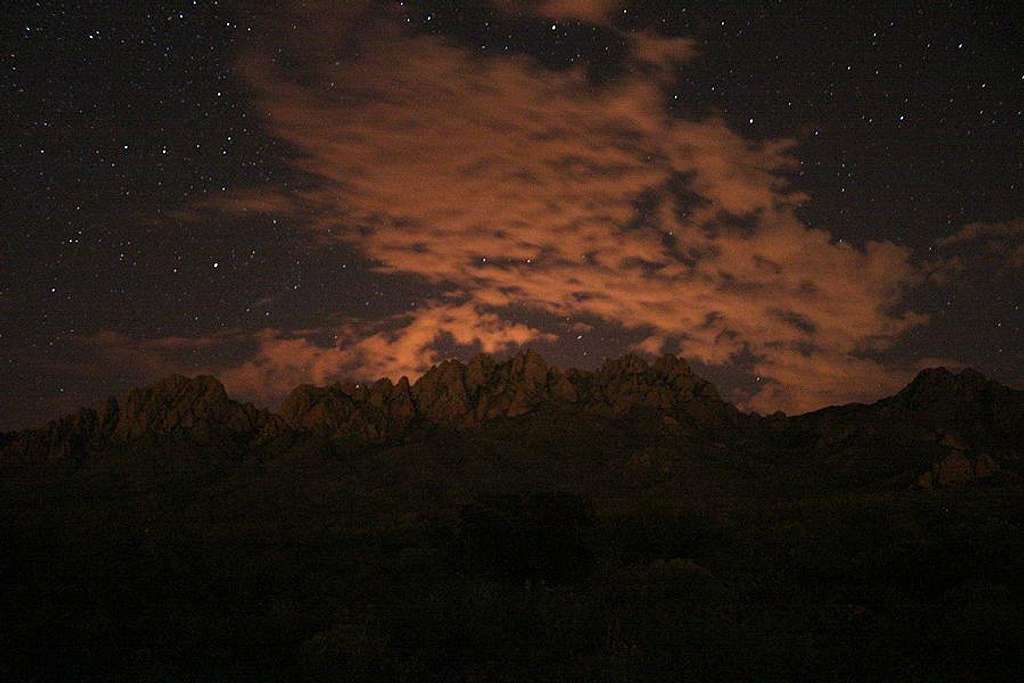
<point>460,395</point>
<point>177,404</point>
<point>197,408</point>
<point>351,409</point>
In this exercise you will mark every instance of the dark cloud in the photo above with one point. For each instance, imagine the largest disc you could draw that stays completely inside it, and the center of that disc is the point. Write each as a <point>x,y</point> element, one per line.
<point>1002,244</point>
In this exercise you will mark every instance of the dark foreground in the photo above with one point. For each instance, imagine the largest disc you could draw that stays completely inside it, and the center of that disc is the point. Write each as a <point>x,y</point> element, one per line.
<point>540,547</point>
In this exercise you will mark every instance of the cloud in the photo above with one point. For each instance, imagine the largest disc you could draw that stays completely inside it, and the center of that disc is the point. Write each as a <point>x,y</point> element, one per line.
<point>402,346</point>
<point>276,361</point>
<point>147,358</point>
<point>505,186</point>
<point>1001,244</point>
<point>986,250</point>
<point>591,11</point>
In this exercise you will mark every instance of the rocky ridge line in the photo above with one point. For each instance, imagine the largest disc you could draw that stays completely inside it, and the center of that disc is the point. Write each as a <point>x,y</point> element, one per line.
<point>450,395</point>
<point>947,427</point>
<point>458,395</point>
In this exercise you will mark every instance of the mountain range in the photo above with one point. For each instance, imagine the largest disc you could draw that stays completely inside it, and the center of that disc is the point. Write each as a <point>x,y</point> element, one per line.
<point>945,427</point>
<point>509,520</point>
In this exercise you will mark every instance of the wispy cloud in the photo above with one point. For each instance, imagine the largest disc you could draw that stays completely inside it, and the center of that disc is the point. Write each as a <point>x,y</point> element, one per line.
<point>1001,244</point>
<point>591,11</point>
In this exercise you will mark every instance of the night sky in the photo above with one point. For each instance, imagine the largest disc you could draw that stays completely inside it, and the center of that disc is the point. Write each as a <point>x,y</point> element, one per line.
<point>807,201</point>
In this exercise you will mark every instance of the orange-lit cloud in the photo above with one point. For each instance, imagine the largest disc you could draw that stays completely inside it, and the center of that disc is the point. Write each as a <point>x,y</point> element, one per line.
<point>404,346</point>
<point>591,11</point>
<point>503,184</point>
<point>281,360</point>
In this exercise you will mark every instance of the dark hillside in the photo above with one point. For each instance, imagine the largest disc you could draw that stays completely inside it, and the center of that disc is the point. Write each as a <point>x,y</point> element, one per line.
<point>644,529</point>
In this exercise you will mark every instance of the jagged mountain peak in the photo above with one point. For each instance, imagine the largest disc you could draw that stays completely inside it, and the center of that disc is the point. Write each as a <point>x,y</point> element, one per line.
<point>628,363</point>
<point>943,390</point>
<point>195,382</point>
<point>198,408</point>
<point>454,394</point>
<point>179,403</point>
<point>451,393</point>
<point>460,394</point>
<point>951,381</point>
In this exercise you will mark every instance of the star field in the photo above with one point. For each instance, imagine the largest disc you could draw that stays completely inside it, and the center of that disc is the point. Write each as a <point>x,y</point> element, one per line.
<point>178,189</point>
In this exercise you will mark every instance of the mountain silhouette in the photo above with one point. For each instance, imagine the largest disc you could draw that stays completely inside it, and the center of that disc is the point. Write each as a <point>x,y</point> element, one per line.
<point>510,520</point>
<point>950,426</point>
